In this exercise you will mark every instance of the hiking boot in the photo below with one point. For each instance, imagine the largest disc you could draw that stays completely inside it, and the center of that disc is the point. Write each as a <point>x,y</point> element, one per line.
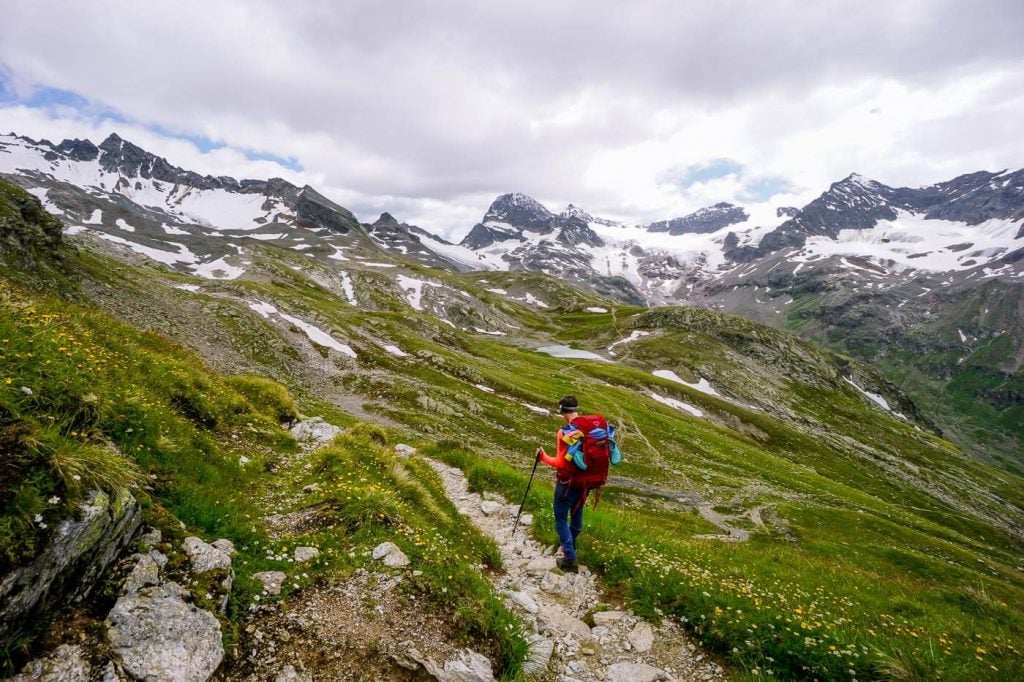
<point>567,565</point>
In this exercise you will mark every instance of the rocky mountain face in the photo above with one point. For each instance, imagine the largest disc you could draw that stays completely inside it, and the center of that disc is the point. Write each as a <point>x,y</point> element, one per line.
<point>703,221</point>
<point>882,273</point>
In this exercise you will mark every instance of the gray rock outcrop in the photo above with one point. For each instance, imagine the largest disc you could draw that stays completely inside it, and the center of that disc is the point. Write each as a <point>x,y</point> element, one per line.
<point>68,568</point>
<point>315,431</point>
<point>469,666</point>
<point>66,663</point>
<point>209,559</point>
<point>158,637</point>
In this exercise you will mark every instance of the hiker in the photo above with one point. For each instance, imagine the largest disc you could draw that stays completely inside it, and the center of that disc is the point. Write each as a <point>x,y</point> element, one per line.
<point>584,448</point>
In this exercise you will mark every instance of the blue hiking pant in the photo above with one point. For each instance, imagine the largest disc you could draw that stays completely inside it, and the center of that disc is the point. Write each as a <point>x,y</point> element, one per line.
<point>568,517</point>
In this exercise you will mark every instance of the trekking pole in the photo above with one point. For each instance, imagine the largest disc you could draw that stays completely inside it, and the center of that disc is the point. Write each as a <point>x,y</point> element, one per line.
<point>536,461</point>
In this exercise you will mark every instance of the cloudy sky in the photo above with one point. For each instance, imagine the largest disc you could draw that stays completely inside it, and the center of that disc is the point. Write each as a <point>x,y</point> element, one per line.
<point>634,110</point>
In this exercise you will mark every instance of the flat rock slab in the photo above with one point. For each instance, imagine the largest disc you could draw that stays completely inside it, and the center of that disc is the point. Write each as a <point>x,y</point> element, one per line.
<point>160,638</point>
<point>560,623</point>
<point>538,656</point>
<point>635,672</point>
<point>404,450</point>
<point>272,580</point>
<point>541,565</point>
<point>608,617</point>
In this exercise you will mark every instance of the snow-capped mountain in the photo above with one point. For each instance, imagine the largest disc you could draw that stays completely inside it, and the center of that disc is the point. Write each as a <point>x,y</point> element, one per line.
<point>972,225</point>
<point>703,221</point>
<point>969,227</point>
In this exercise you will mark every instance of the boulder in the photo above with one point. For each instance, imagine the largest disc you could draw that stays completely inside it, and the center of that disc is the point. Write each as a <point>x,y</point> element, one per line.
<point>390,554</point>
<point>468,667</point>
<point>69,566</point>
<point>158,637</point>
<point>315,431</point>
<point>641,637</point>
<point>635,672</point>
<point>403,450</point>
<point>304,554</point>
<point>204,557</point>
<point>272,580</point>
<point>557,621</point>
<point>66,663</point>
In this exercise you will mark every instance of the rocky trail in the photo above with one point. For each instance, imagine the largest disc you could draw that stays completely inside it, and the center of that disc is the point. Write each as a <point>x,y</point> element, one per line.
<point>620,647</point>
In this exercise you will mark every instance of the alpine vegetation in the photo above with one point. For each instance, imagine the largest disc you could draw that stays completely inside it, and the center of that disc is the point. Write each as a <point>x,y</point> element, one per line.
<point>289,407</point>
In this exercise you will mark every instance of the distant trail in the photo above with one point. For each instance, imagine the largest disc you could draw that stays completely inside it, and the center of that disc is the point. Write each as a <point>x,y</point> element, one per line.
<point>619,647</point>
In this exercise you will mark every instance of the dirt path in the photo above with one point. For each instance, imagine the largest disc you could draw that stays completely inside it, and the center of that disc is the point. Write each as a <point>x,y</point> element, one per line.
<point>619,648</point>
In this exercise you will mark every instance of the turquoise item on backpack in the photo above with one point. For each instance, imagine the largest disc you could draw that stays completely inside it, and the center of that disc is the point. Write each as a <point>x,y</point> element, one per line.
<point>575,453</point>
<point>615,456</point>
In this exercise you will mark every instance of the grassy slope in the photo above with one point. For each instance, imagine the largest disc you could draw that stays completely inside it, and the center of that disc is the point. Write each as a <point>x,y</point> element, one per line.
<point>182,429</point>
<point>882,546</point>
<point>963,384</point>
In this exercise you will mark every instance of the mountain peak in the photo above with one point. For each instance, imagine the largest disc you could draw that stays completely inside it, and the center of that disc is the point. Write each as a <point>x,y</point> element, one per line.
<point>702,221</point>
<point>386,219</point>
<point>571,211</point>
<point>521,211</point>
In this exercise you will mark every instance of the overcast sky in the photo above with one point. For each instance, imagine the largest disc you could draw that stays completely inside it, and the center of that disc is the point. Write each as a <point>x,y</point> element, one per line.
<point>632,110</point>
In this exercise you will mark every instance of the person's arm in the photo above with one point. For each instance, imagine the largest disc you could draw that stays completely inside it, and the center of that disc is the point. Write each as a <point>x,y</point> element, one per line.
<point>554,462</point>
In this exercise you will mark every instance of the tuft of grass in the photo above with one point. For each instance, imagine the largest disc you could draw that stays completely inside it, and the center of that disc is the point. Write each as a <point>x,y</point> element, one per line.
<point>86,466</point>
<point>267,396</point>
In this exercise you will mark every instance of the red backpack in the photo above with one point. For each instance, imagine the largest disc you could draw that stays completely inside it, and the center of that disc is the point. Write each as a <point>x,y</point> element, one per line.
<point>597,456</point>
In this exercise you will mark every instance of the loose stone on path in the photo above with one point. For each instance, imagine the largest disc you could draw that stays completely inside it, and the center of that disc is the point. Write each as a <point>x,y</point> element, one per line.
<point>620,647</point>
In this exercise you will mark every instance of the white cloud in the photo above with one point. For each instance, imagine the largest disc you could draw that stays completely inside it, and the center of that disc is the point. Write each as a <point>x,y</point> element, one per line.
<point>428,111</point>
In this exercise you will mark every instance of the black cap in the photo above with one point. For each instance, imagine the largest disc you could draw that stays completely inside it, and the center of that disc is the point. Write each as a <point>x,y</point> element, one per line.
<point>568,404</point>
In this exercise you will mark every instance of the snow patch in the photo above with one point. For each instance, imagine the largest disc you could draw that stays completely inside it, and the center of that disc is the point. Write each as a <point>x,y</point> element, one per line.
<point>95,219</point>
<point>348,289</point>
<point>874,397</point>
<point>702,384</point>
<point>678,404</point>
<point>633,336</point>
<point>312,332</point>
<point>218,269</point>
<point>596,309</point>
<point>123,225</point>
<point>396,351</point>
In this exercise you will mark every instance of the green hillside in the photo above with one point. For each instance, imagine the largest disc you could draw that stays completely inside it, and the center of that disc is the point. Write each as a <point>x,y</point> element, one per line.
<point>797,527</point>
